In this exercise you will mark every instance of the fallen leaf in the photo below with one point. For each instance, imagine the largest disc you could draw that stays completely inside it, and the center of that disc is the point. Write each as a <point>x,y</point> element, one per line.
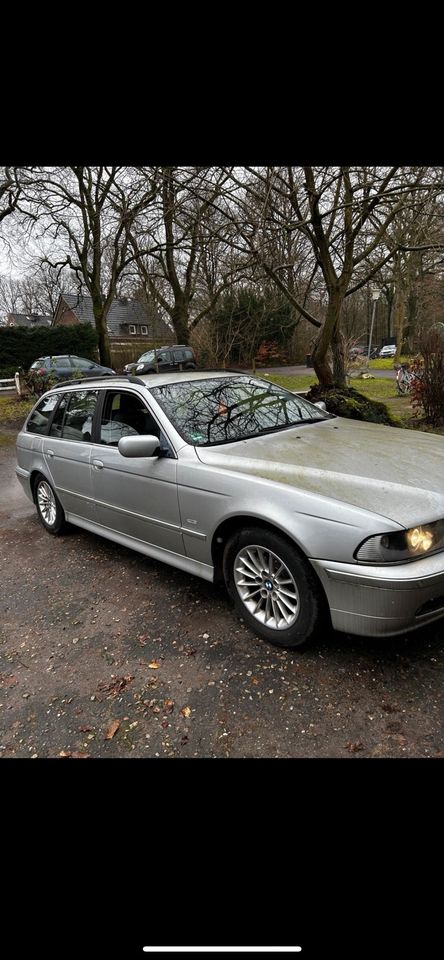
<point>142,639</point>
<point>85,729</point>
<point>185,711</point>
<point>9,681</point>
<point>116,686</point>
<point>184,740</point>
<point>354,747</point>
<point>168,705</point>
<point>112,729</point>
<point>154,665</point>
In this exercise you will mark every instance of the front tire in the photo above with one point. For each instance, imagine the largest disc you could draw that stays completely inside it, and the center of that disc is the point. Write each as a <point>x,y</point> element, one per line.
<point>48,506</point>
<point>273,587</point>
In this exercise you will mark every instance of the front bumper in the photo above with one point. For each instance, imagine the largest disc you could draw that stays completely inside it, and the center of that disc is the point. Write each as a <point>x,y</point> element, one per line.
<point>383,600</point>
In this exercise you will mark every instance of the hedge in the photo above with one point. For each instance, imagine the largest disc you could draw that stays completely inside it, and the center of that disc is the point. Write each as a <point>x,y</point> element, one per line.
<point>19,346</point>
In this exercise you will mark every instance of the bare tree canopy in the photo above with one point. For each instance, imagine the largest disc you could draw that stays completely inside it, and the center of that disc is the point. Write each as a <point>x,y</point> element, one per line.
<point>81,217</point>
<point>314,238</point>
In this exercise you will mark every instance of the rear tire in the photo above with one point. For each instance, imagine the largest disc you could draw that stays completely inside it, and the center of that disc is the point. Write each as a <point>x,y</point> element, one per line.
<point>49,509</point>
<point>273,587</point>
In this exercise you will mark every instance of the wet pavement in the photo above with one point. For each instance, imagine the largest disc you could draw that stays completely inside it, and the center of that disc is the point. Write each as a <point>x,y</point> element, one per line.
<point>105,653</point>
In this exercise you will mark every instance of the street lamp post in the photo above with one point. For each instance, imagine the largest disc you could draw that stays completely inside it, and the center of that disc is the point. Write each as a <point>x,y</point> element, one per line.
<point>375,297</point>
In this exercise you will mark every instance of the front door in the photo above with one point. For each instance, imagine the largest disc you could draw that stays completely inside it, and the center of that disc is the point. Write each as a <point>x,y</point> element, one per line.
<point>136,497</point>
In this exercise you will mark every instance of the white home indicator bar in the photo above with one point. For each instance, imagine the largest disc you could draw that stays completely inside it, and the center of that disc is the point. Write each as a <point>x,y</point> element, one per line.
<point>222,949</point>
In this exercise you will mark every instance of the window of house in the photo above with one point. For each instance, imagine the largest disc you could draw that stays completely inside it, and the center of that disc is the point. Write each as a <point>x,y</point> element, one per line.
<point>144,329</point>
<point>132,328</point>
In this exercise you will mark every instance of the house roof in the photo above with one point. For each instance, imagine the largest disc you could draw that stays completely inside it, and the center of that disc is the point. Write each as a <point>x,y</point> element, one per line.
<point>29,320</point>
<point>122,313</point>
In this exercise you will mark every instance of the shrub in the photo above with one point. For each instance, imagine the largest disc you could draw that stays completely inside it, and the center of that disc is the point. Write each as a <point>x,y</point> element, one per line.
<point>19,347</point>
<point>427,389</point>
<point>270,354</point>
<point>352,404</point>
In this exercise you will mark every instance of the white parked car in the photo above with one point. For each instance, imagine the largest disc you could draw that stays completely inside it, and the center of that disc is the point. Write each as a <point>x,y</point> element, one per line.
<point>388,351</point>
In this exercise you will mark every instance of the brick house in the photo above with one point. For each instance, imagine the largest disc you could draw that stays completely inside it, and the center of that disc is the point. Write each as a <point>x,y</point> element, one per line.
<point>126,318</point>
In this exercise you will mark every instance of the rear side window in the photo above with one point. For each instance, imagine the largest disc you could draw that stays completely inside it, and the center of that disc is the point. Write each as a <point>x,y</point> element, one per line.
<point>77,423</point>
<point>80,364</point>
<point>39,419</point>
<point>39,364</point>
<point>57,420</point>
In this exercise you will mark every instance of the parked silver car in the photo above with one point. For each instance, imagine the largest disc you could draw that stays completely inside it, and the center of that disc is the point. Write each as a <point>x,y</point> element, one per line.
<point>307,517</point>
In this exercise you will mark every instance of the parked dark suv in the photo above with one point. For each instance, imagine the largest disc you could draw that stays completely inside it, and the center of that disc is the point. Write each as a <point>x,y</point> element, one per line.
<point>177,357</point>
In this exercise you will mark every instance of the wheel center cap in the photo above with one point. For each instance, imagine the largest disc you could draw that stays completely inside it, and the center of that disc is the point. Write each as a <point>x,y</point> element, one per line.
<point>268,584</point>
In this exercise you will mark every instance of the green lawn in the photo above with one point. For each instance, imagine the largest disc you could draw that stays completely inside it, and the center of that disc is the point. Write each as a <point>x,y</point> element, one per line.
<point>15,409</point>
<point>377,388</point>
<point>387,363</point>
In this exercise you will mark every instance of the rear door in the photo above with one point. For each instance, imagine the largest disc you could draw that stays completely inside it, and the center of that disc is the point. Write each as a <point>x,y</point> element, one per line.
<point>136,497</point>
<point>67,452</point>
<point>60,368</point>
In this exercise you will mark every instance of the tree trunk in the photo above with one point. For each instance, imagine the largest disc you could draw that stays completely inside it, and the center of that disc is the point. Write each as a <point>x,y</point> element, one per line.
<point>103,339</point>
<point>399,318</point>
<point>180,321</point>
<point>330,336</point>
<point>339,364</point>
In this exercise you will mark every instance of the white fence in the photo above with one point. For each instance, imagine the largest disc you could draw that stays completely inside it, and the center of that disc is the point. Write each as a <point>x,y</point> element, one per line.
<point>8,384</point>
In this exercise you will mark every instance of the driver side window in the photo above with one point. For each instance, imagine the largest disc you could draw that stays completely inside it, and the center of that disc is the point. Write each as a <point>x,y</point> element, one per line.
<point>125,415</point>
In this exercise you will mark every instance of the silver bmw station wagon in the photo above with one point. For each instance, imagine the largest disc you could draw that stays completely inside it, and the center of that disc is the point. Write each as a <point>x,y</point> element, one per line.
<point>309,518</point>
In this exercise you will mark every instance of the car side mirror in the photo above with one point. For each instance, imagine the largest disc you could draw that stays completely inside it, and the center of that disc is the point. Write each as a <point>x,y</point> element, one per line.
<point>321,405</point>
<point>141,446</point>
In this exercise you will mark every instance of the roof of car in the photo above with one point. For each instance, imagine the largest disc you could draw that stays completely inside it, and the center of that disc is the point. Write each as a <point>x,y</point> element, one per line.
<point>61,356</point>
<point>150,380</point>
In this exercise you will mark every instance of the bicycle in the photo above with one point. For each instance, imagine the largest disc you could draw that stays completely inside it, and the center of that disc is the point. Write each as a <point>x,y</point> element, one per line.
<point>405,378</point>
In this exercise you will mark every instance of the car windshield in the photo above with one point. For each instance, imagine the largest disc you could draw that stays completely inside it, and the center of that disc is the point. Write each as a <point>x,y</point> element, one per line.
<point>224,410</point>
<point>147,357</point>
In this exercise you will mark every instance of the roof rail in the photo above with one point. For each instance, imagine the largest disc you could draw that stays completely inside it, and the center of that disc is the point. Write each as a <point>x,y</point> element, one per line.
<point>66,383</point>
<point>134,379</point>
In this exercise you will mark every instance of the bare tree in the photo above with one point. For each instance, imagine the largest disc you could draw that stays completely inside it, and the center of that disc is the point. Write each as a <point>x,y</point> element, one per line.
<point>343,214</point>
<point>81,218</point>
<point>10,190</point>
<point>181,247</point>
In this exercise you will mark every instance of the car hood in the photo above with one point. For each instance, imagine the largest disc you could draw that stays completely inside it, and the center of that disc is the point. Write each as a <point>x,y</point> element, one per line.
<point>393,472</point>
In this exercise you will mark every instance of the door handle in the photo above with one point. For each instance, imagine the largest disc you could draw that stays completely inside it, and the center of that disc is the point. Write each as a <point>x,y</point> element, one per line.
<point>98,464</point>
<point>50,453</point>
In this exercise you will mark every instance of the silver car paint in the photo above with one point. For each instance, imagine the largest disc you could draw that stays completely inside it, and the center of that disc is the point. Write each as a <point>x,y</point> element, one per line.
<point>171,508</point>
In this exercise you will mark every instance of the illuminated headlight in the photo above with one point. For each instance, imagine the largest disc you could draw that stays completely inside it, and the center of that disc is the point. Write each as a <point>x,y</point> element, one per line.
<point>402,545</point>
